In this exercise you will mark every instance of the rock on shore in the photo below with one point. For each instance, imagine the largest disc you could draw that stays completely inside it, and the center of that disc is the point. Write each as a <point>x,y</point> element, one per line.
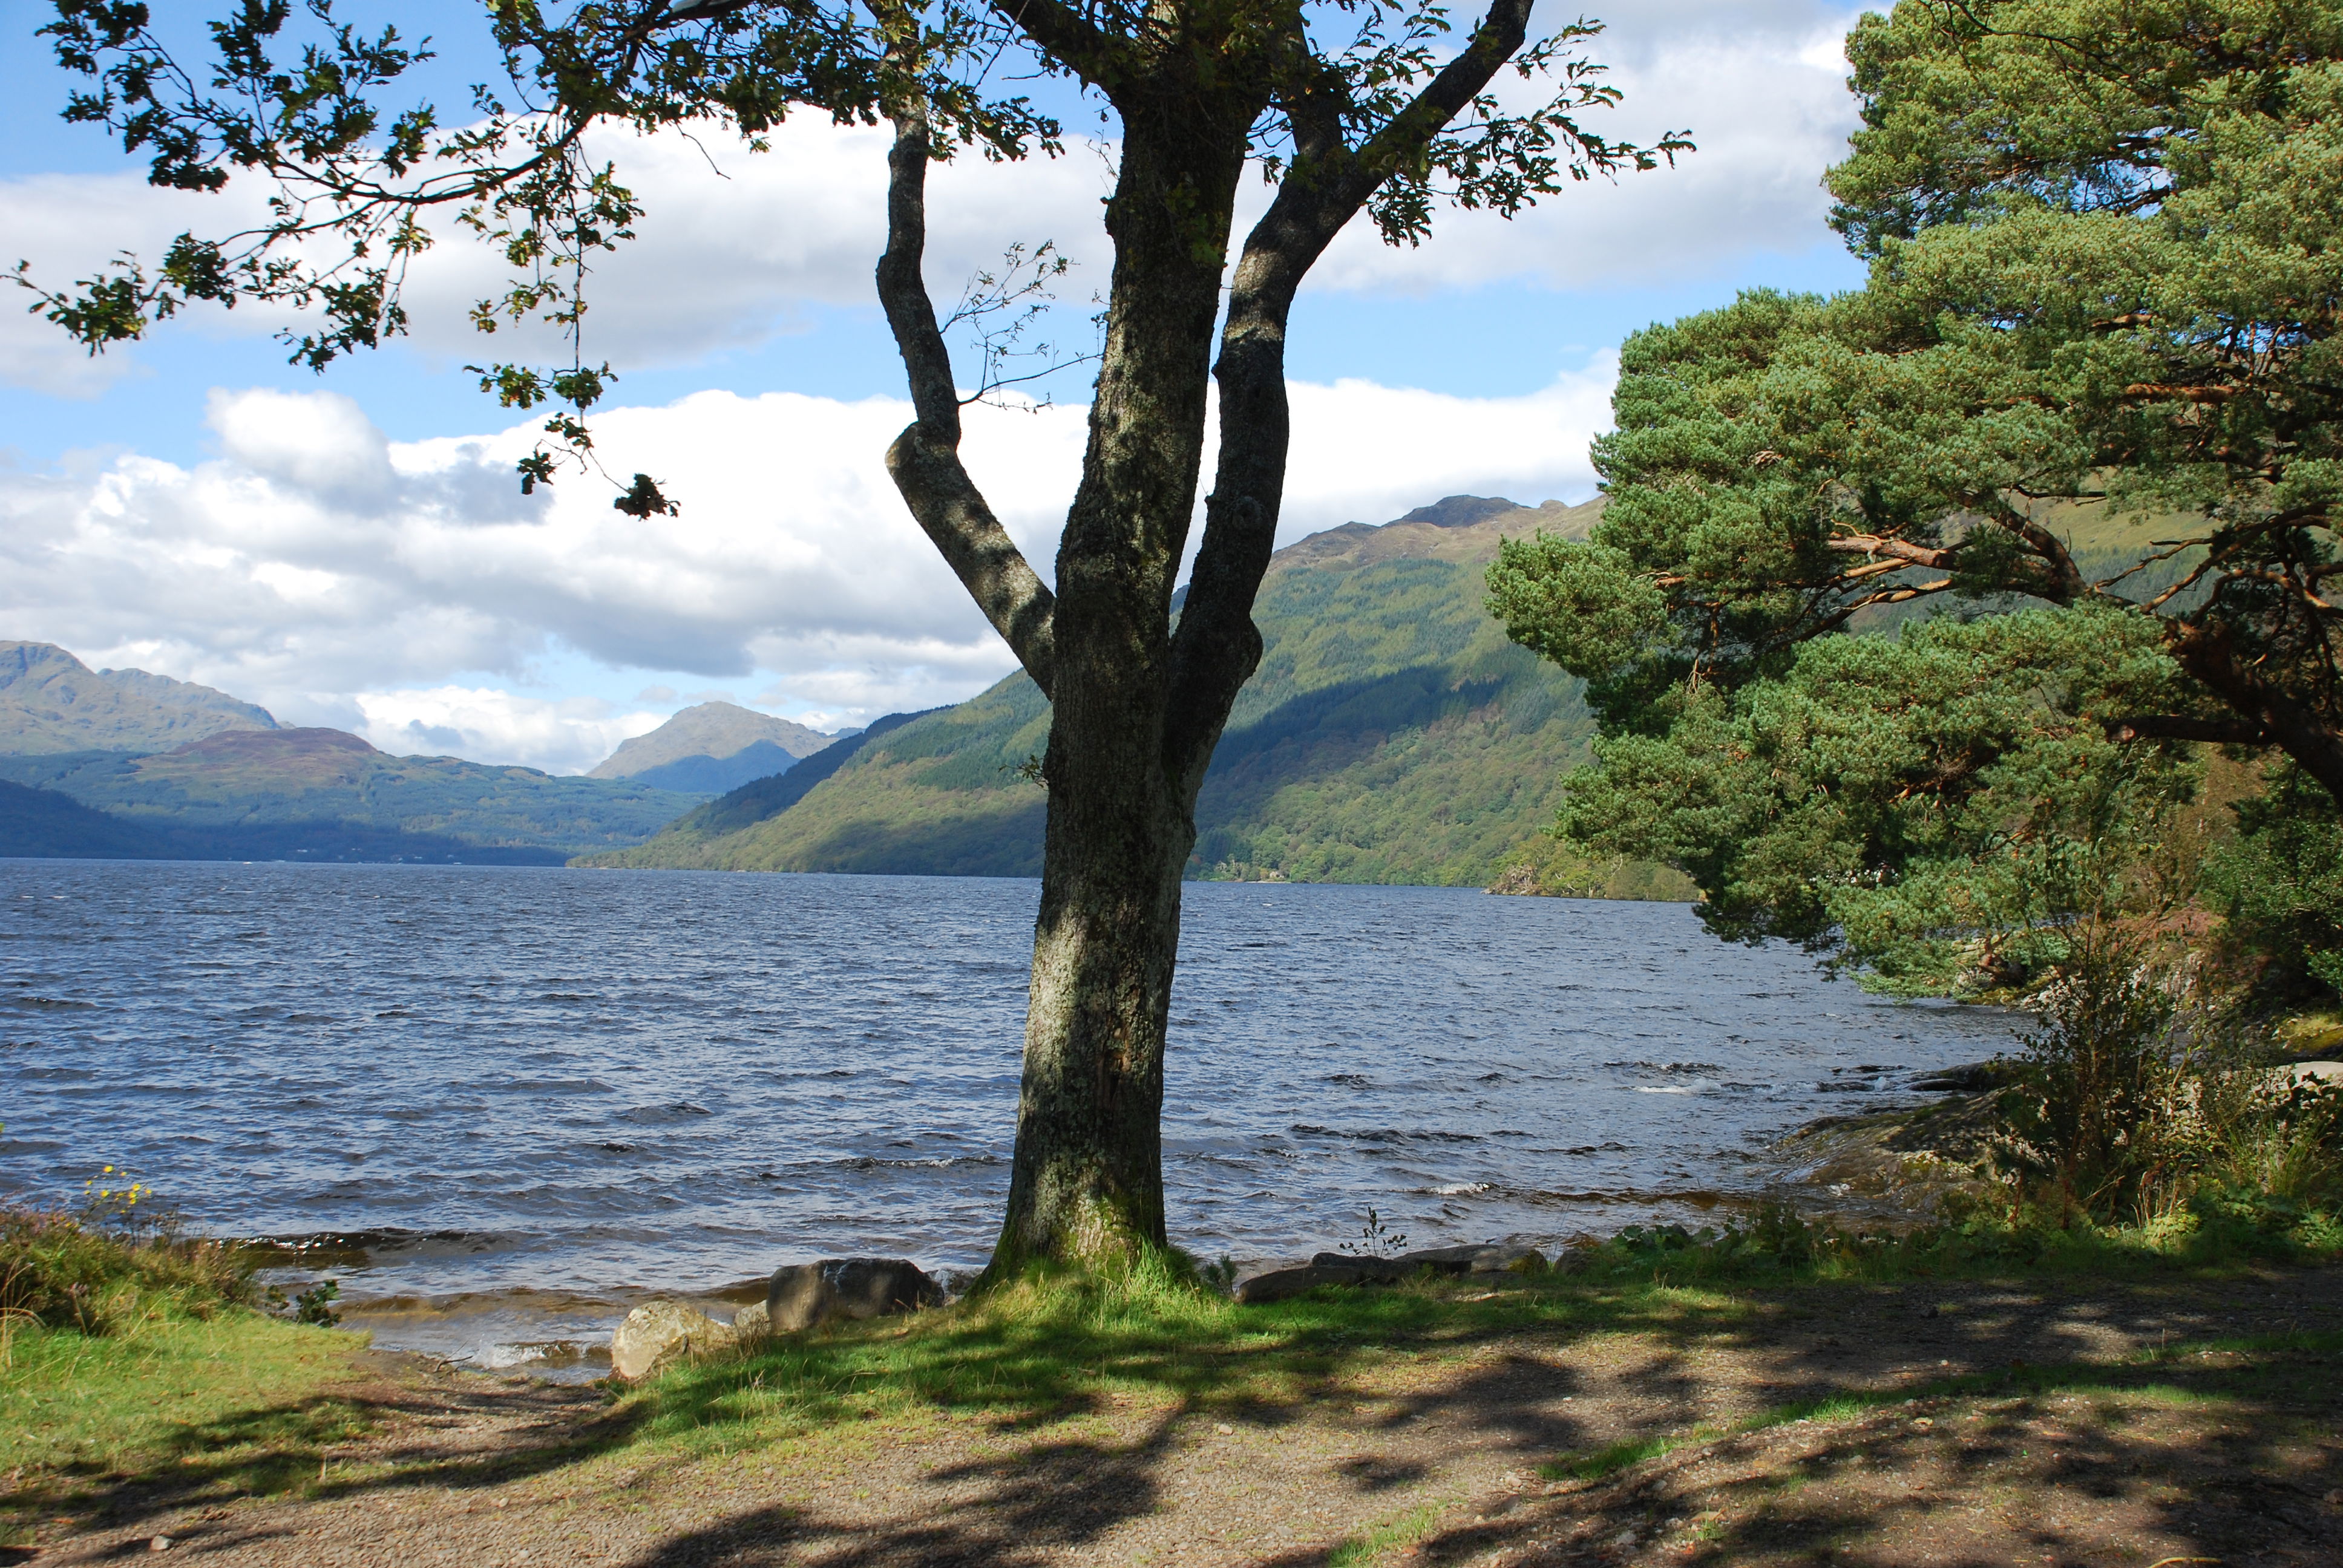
<point>1343,1268</point>
<point>804,1294</point>
<point>660,1333</point>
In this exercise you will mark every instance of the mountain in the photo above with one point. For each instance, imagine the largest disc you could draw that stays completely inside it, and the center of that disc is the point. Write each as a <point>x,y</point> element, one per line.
<point>678,844</point>
<point>712,747</point>
<point>326,795</point>
<point>1391,735</point>
<point>52,702</point>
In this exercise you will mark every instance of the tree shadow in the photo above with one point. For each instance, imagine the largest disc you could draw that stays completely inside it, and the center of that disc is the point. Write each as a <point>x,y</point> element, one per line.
<point>400,1435</point>
<point>1025,1507</point>
<point>1529,1382</point>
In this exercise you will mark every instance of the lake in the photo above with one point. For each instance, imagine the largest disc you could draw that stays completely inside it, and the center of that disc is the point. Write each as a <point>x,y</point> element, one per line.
<point>520,1098</point>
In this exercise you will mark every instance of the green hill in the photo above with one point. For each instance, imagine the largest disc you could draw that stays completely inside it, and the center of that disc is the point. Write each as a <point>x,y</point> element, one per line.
<point>324,795</point>
<point>1391,735</point>
<point>52,702</point>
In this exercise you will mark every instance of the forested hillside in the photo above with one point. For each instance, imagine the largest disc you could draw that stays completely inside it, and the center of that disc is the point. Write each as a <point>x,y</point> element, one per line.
<point>323,794</point>
<point>1391,735</point>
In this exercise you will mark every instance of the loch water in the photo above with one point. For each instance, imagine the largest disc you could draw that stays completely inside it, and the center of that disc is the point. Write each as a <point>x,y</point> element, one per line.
<point>520,1098</point>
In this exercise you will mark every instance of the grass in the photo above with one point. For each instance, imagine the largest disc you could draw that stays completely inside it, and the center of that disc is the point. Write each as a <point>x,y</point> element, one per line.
<point>1405,1530</point>
<point>1032,1354</point>
<point>237,1404</point>
<point>126,1355</point>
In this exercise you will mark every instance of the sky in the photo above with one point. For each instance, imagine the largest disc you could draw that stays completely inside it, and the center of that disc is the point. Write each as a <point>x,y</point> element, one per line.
<point>351,549</point>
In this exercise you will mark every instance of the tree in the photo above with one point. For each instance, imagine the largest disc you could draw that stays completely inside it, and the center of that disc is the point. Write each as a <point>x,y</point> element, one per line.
<point>2095,363</point>
<point>1934,807</point>
<point>1348,106</point>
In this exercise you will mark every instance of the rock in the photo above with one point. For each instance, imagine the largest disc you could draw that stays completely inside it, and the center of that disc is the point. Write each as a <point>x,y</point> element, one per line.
<point>1473,1258</point>
<point>1284,1285</point>
<point>1970,1078</point>
<point>1344,1269</point>
<point>657,1333</point>
<point>753,1321</point>
<point>804,1294</point>
<point>1478,1258</point>
<point>2309,1074</point>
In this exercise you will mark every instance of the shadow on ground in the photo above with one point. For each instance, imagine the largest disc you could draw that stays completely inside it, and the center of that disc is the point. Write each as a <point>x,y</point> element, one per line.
<point>1962,1423</point>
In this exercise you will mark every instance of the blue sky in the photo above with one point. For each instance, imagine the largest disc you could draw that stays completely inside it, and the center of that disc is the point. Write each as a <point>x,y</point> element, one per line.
<point>347,549</point>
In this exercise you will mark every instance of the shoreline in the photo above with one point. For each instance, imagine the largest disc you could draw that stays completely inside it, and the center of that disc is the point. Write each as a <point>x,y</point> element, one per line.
<point>1863,1168</point>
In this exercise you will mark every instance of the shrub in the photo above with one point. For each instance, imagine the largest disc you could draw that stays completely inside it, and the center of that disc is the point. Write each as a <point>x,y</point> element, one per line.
<point>2147,1096</point>
<point>2097,1113</point>
<point>81,1273</point>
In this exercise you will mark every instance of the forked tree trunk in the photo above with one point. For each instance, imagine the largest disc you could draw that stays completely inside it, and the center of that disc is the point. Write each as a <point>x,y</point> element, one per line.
<point>1087,1187</point>
<point>1137,705</point>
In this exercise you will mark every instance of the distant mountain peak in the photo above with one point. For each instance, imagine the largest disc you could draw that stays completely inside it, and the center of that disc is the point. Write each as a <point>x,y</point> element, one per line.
<point>703,747</point>
<point>1462,512</point>
<point>1461,528</point>
<point>51,702</point>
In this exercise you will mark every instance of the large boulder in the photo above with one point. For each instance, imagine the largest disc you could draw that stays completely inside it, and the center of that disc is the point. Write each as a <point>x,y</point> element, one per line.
<point>804,1294</point>
<point>660,1333</point>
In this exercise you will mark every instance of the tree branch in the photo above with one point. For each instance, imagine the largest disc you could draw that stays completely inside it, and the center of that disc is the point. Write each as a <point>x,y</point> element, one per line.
<point>1874,545</point>
<point>924,461</point>
<point>1217,646</point>
<point>1062,33</point>
<point>2188,727</point>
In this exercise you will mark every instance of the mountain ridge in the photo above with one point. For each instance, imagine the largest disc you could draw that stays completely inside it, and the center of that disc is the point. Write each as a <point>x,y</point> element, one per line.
<point>51,702</point>
<point>329,794</point>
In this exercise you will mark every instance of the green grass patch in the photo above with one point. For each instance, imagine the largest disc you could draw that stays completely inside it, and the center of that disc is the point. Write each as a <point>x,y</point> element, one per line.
<point>231,1404</point>
<point>1405,1530</point>
<point>1034,1352</point>
<point>132,1355</point>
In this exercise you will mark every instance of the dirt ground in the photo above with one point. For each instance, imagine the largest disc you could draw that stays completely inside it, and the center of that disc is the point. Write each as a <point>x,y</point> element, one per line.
<point>2072,1443</point>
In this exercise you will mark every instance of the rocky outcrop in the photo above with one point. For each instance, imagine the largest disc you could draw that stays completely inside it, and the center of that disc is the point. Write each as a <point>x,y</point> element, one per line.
<point>804,1294</point>
<point>1344,1269</point>
<point>660,1333</point>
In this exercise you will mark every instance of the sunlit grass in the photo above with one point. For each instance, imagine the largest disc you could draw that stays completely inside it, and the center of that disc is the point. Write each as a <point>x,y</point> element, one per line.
<point>235,1404</point>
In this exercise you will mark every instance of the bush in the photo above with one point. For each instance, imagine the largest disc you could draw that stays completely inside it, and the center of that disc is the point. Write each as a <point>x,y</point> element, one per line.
<point>2147,1099</point>
<point>2095,1119</point>
<point>81,1273</point>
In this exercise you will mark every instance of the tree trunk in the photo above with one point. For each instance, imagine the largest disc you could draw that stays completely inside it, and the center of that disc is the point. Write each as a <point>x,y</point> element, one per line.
<point>2207,651</point>
<point>1087,1188</point>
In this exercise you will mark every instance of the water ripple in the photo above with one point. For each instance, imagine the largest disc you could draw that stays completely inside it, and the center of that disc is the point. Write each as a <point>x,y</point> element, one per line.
<point>596,1082</point>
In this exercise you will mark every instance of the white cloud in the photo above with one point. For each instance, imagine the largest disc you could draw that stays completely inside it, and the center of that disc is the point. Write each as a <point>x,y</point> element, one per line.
<point>339,577</point>
<point>1762,88</point>
<point>486,724</point>
<point>1367,453</point>
<point>735,247</point>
